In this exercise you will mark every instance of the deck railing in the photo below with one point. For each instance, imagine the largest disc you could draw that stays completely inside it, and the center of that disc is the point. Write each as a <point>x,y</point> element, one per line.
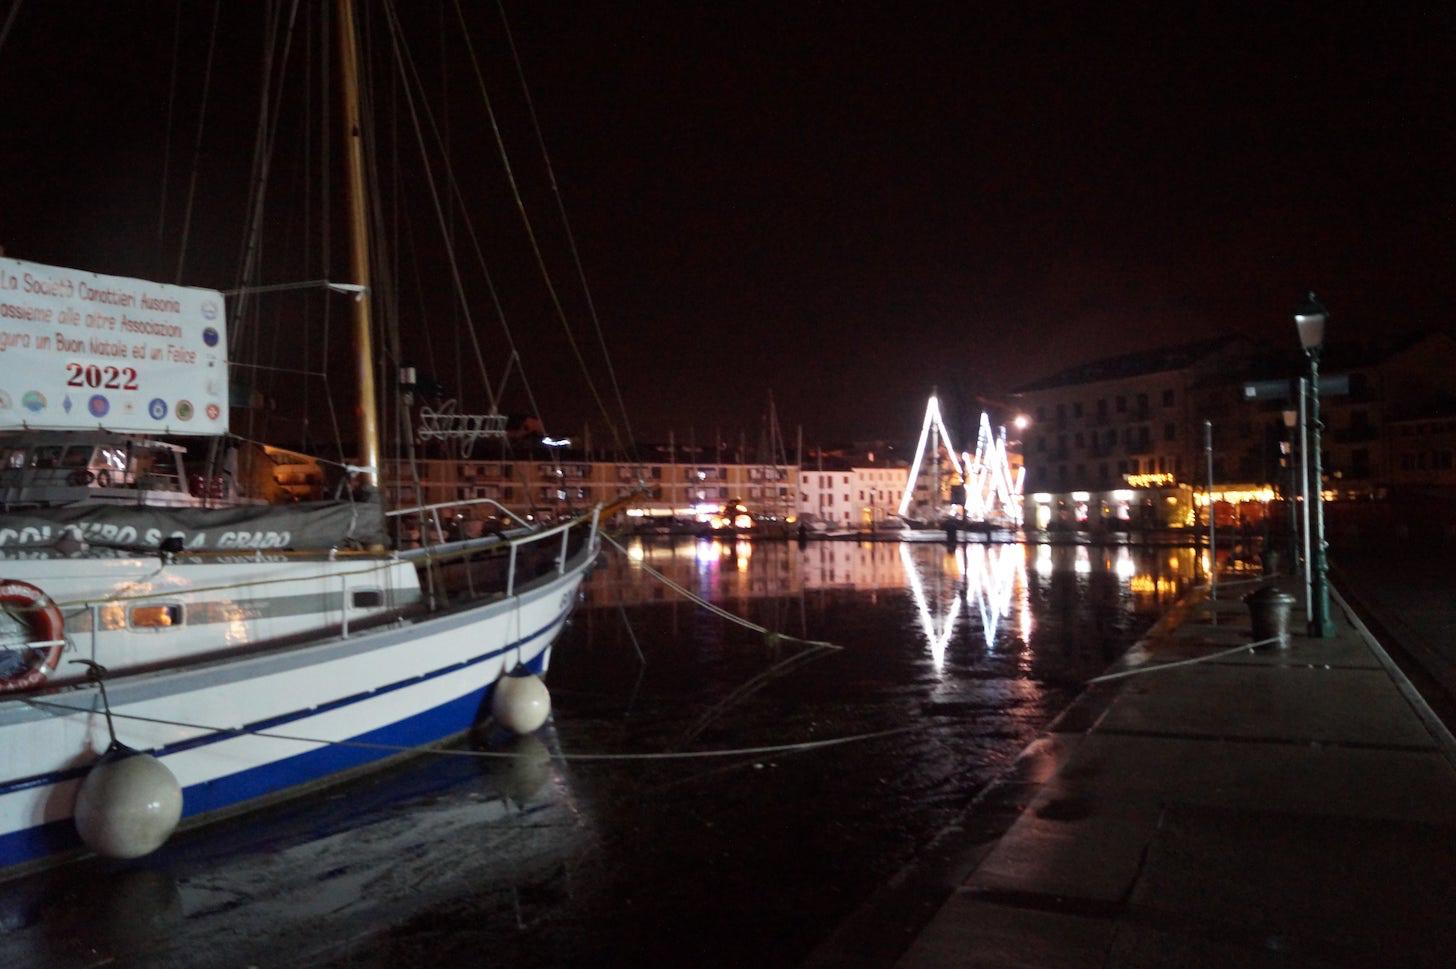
<point>529,554</point>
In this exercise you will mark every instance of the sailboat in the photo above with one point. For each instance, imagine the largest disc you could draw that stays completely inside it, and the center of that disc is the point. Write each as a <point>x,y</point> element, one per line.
<point>251,652</point>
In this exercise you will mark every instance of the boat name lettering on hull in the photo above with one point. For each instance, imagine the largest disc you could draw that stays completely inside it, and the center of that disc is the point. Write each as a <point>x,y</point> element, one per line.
<point>106,533</point>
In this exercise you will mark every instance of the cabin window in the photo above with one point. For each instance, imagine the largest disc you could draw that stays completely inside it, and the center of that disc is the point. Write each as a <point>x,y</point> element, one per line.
<point>368,599</point>
<point>111,616</point>
<point>156,617</point>
<point>46,457</point>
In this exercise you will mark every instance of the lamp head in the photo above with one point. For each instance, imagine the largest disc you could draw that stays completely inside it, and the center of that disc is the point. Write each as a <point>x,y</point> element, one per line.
<point>1291,417</point>
<point>1310,317</point>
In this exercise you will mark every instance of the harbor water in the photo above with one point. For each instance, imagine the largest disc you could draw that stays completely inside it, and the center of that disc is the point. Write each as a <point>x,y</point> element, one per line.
<point>944,664</point>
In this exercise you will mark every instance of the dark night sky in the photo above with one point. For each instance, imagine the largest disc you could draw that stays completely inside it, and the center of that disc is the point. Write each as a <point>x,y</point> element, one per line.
<point>842,203</point>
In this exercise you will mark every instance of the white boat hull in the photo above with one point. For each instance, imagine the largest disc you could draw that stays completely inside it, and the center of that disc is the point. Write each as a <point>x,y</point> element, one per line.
<point>259,726</point>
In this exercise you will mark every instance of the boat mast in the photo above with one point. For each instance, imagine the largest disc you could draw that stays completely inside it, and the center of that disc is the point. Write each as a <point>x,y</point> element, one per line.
<point>368,411</point>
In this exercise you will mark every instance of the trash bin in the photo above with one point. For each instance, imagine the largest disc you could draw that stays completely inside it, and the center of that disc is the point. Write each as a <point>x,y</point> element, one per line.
<point>1269,611</point>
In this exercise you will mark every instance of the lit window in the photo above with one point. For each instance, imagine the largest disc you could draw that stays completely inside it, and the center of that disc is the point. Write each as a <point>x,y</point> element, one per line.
<point>156,617</point>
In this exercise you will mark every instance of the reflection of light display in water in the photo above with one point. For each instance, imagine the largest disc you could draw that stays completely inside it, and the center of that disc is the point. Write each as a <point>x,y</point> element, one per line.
<point>991,575</point>
<point>741,570</point>
<point>936,639</point>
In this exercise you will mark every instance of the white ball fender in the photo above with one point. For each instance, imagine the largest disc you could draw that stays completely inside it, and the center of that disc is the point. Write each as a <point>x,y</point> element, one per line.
<point>128,806</point>
<point>521,704</point>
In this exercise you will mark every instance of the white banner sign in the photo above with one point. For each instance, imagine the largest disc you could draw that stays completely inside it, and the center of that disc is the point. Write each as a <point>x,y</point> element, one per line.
<point>80,350</point>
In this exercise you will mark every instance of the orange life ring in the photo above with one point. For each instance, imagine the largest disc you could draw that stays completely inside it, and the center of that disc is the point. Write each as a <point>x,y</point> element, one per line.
<point>43,619</point>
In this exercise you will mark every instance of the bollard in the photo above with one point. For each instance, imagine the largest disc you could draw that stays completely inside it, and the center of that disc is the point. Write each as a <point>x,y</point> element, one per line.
<point>1272,561</point>
<point>1269,610</point>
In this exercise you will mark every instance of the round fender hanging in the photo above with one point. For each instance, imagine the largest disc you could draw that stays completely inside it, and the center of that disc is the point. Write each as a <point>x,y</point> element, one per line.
<point>27,662</point>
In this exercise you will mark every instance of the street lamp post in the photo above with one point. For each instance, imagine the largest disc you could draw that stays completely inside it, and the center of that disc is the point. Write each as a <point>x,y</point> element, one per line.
<point>1310,318</point>
<point>1291,485</point>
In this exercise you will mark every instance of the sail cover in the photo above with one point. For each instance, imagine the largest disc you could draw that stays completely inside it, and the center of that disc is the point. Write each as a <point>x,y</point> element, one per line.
<point>305,525</point>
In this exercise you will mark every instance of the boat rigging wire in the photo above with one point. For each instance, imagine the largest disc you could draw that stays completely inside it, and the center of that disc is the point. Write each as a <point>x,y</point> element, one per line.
<point>535,244</point>
<point>269,111</point>
<point>167,142</point>
<point>561,209</point>
<point>9,20</point>
<point>790,748</point>
<point>197,142</point>
<point>405,64</point>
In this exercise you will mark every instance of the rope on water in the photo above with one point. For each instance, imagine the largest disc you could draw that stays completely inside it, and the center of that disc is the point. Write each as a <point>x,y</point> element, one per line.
<point>622,610</point>
<point>1184,662</point>
<point>803,745</point>
<point>716,610</point>
<point>744,690</point>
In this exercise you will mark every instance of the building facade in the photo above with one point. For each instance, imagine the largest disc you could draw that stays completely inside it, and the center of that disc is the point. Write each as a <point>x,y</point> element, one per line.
<point>856,495</point>
<point>551,490</point>
<point>1137,422</point>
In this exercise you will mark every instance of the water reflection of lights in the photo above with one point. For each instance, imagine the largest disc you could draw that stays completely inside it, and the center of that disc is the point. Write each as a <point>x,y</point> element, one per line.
<point>936,639</point>
<point>1044,561</point>
<point>743,551</point>
<point>1147,585</point>
<point>635,553</point>
<point>991,574</point>
<point>708,551</point>
<point>1125,566</point>
<point>1083,563</point>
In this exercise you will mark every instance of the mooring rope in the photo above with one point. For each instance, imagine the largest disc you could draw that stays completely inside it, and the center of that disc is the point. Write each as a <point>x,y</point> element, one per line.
<point>800,746</point>
<point>715,609</point>
<point>1185,662</point>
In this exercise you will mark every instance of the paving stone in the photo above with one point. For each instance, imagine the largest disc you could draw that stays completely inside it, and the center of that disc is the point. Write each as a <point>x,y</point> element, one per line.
<point>1279,808</point>
<point>1281,704</point>
<point>1413,786</point>
<point>969,933</point>
<point>1228,634</point>
<point>1069,846</point>
<point>1137,945</point>
<point>1371,892</point>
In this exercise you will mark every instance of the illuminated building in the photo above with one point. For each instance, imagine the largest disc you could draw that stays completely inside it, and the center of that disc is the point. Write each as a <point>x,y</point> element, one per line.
<point>856,493</point>
<point>548,487</point>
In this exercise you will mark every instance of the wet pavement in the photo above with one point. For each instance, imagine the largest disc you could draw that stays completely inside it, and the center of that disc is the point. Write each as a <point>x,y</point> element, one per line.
<point>1291,806</point>
<point>710,862</point>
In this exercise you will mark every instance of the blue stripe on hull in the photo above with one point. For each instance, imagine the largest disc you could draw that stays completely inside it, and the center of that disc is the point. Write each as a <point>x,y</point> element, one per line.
<point>418,730</point>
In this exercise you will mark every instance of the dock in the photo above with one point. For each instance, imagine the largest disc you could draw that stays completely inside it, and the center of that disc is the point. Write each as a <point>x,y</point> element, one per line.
<point>1290,806</point>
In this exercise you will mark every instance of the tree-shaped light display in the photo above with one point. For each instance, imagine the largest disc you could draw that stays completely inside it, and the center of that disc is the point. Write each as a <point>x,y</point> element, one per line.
<point>993,489</point>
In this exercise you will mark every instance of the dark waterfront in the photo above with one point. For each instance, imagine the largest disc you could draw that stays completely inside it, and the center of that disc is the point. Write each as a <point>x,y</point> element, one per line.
<point>713,861</point>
